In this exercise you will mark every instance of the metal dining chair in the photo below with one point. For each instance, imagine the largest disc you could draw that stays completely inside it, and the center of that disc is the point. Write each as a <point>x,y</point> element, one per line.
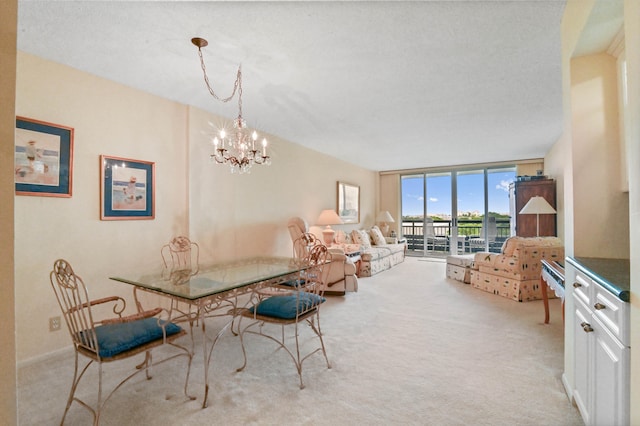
<point>112,339</point>
<point>291,309</point>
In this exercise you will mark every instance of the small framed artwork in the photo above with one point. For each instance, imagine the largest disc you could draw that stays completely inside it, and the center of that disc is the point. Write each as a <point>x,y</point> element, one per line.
<point>43,158</point>
<point>127,189</point>
<point>348,202</point>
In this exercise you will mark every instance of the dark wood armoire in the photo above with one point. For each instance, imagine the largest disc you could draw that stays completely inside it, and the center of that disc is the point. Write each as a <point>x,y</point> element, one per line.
<point>519,194</point>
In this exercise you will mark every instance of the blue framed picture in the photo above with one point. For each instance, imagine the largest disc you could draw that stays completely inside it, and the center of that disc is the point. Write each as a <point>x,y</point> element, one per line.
<point>127,189</point>
<point>43,158</point>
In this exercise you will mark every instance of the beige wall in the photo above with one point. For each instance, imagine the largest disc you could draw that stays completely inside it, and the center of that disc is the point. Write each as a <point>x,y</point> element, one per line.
<point>390,199</point>
<point>8,22</point>
<point>228,215</point>
<point>601,209</point>
<point>247,214</point>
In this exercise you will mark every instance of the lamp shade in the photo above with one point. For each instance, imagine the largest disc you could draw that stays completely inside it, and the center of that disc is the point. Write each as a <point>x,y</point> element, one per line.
<point>537,205</point>
<point>385,217</point>
<point>329,217</point>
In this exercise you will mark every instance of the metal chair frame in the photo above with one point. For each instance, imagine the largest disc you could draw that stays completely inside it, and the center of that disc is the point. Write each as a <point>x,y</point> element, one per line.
<point>318,260</point>
<point>179,257</point>
<point>76,307</point>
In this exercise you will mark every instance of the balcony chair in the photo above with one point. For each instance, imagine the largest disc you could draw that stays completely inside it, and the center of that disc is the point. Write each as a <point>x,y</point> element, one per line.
<point>112,339</point>
<point>342,276</point>
<point>291,307</point>
<point>433,240</point>
<point>479,243</point>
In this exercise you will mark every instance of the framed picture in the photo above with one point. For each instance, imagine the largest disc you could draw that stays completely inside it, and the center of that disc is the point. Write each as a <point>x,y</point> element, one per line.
<point>127,189</point>
<point>43,158</point>
<point>349,202</point>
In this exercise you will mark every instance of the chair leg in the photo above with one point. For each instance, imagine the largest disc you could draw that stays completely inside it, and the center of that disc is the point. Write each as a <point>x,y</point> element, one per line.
<point>319,333</point>
<point>96,416</point>
<point>297,361</point>
<point>72,391</point>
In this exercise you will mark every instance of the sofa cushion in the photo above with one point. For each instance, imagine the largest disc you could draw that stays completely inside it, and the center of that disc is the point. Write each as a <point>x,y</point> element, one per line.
<point>376,253</point>
<point>376,236</point>
<point>361,237</point>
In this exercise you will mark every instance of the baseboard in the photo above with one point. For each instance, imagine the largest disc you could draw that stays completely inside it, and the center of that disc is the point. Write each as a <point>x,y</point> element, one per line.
<point>36,359</point>
<point>567,388</point>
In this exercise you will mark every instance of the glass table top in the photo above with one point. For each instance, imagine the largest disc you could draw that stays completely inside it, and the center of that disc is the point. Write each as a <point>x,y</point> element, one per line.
<point>215,278</point>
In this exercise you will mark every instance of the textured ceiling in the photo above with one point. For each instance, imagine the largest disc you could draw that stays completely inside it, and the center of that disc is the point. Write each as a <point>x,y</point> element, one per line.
<point>384,85</point>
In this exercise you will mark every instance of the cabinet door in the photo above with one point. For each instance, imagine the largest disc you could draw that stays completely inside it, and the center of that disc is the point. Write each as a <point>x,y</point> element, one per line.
<point>582,330</point>
<point>611,383</point>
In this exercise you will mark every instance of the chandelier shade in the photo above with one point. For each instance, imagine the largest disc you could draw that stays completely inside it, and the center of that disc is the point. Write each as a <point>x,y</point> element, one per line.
<point>240,149</point>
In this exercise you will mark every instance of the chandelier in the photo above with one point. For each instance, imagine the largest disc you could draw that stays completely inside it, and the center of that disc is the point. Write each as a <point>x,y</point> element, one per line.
<point>238,150</point>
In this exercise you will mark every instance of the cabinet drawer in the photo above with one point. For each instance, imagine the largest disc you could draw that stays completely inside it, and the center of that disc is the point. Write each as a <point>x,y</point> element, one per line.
<point>612,312</point>
<point>583,288</point>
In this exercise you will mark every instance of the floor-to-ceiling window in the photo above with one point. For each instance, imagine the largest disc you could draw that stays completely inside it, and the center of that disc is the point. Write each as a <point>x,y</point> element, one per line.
<point>456,211</point>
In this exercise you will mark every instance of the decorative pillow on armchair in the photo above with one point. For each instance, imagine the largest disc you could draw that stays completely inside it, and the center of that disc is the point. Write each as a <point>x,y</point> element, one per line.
<point>362,238</point>
<point>377,237</point>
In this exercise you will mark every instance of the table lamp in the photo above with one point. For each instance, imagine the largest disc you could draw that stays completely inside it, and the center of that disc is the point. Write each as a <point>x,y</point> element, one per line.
<point>328,218</point>
<point>384,218</point>
<point>537,205</point>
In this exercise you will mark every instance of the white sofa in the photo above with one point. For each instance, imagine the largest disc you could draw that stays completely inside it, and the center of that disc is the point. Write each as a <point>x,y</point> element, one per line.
<point>377,253</point>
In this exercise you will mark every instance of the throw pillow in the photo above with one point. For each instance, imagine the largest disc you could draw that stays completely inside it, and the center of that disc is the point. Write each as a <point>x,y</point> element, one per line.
<point>361,237</point>
<point>377,237</point>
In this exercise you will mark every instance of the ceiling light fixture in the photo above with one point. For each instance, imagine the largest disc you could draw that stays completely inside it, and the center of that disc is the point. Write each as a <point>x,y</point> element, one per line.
<point>238,150</point>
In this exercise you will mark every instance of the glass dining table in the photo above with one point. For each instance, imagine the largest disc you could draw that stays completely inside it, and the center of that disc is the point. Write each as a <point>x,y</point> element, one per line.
<point>213,290</point>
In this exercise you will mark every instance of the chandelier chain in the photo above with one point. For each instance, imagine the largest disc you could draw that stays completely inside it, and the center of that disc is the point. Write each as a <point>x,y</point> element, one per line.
<point>237,85</point>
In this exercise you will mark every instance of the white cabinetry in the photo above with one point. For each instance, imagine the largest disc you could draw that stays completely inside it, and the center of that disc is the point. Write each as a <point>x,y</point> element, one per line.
<point>601,331</point>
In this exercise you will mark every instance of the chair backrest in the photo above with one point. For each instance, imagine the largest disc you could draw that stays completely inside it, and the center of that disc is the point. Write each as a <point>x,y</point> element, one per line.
<point>181,254</point>
<point>319,261</point>
<point>73,299</point>
<point>491,228</point>
<point>429,230</point>
<point>303,244</point>
<point>297,226</point>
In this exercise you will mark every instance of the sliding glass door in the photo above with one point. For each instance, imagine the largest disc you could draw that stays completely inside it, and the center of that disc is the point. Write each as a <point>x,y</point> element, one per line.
<point>456,211</point>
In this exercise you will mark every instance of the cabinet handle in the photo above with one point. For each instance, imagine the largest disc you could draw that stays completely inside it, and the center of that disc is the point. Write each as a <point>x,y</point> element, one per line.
<point>599,306</point>
<point>576,285</point>
<point>586,327</point>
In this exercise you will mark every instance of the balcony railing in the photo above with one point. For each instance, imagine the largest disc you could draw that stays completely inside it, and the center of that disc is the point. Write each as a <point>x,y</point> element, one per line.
<point>413,231</point>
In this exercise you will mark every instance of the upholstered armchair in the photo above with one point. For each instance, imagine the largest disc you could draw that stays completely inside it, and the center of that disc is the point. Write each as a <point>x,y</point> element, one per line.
<point>515,272</point>
<point>342,274</point>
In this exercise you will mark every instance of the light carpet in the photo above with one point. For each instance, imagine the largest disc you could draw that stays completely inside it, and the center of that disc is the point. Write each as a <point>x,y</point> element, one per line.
<point>410,347</point>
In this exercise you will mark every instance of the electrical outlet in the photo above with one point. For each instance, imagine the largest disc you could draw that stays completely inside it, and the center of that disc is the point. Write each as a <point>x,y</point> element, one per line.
<point>54,323</point>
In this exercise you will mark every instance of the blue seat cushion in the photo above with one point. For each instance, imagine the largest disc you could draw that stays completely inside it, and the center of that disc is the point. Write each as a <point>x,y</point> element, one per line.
<point>287,307</point>
<point>116,338</point>
<point>294,282</point>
